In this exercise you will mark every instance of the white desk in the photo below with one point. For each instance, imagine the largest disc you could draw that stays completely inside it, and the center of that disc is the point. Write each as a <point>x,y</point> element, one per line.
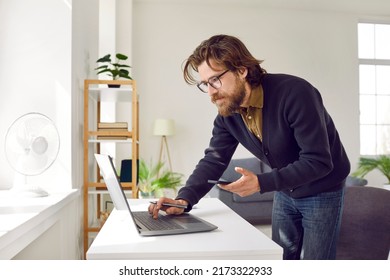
<point>235,238</point>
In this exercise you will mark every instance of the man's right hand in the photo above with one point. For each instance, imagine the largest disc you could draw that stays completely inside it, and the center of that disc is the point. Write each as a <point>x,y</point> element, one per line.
<point>170,210</point>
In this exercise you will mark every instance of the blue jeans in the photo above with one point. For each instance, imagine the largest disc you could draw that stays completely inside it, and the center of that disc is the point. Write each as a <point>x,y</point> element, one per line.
<point>307,228</point>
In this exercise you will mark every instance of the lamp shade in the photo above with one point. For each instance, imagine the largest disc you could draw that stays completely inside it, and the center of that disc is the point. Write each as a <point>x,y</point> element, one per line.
<point>164,127</point>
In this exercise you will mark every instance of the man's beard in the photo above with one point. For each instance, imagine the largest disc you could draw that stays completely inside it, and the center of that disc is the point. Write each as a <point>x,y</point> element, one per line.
<point>232,101</point>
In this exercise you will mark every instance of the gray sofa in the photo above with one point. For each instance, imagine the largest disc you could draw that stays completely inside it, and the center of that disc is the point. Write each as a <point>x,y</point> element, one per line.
<point>256,208</point>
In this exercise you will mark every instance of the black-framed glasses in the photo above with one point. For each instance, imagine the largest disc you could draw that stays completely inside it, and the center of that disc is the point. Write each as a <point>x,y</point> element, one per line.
<point>215,82</point>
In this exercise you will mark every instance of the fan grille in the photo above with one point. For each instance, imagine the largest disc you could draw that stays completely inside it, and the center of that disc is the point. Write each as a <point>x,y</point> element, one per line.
<point>32,144</point>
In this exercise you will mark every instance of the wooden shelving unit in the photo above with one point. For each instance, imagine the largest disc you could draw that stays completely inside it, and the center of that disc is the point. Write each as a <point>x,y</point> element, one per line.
<point>95,93</point>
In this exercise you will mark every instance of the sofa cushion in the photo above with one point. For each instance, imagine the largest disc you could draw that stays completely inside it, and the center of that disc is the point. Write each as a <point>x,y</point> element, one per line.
<point>252,164</point>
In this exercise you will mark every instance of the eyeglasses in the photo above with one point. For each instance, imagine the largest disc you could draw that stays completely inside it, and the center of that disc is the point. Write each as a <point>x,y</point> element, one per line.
<point>215,82</point>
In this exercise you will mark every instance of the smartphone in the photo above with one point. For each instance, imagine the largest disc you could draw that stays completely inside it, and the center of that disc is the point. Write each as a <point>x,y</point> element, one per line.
<point>171,204</point>
<point>220,181</point>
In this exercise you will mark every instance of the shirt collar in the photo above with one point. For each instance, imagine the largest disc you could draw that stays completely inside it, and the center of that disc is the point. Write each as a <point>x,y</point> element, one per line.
<point>256,98</point>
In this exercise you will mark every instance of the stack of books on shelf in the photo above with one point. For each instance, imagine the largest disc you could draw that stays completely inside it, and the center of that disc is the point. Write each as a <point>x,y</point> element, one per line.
<point>112,127</point>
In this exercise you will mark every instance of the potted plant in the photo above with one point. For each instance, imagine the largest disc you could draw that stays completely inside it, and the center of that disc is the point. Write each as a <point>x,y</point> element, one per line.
<point>114,69</point>
<point>153,179</point>
<point>366,165</point>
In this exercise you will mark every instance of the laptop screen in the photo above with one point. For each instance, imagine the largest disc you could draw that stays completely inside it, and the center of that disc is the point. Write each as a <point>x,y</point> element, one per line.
<point>112,182</point>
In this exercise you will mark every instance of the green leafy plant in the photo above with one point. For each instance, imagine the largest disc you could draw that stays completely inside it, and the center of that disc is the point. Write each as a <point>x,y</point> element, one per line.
<point>153,177</point>
<point>114,69</point>
<point>366,165</point>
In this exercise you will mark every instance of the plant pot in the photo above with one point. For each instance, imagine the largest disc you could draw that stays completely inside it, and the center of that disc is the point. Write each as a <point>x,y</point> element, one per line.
<point>386,187</point>
<point>146,195</point>
<point>159,193</point>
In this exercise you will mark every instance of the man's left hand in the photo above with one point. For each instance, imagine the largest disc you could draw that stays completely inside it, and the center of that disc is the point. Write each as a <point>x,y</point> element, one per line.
<point>248,183</point>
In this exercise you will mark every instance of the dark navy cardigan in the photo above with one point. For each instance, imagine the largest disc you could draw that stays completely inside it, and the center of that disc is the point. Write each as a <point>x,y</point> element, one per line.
<point>300,144</point>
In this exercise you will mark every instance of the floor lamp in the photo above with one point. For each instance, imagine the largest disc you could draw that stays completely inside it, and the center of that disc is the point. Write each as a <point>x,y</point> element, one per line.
<point>164,128</point>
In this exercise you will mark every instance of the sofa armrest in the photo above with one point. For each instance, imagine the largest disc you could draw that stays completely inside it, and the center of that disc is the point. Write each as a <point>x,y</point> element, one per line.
<point>354,181</point>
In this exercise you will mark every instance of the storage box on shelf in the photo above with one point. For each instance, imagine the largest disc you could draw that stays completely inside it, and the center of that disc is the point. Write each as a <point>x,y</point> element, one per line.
<point>98,132</point>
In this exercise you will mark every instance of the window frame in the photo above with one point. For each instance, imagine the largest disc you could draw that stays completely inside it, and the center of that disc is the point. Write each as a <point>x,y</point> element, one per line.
<point>380,147</point>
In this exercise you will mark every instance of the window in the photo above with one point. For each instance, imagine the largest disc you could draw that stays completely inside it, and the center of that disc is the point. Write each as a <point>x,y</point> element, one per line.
<point>374,88</point>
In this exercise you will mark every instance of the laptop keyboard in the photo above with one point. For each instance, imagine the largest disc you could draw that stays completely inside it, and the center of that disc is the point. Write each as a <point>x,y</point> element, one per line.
<point>162,223</point>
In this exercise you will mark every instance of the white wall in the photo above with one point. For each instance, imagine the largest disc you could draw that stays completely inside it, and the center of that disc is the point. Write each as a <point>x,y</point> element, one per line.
<point>316,40</point>
<point>85,42</point>
<point>35,75</point>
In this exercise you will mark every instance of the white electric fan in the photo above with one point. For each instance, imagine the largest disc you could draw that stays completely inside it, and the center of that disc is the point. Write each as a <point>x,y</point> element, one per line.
<point>31,147</point>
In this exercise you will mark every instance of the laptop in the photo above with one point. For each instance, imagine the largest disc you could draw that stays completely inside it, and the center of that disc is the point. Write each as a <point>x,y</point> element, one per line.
<point>145,224</point>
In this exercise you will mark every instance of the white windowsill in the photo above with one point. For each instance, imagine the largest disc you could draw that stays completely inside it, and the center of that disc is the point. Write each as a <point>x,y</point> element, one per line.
<point>23,219</point>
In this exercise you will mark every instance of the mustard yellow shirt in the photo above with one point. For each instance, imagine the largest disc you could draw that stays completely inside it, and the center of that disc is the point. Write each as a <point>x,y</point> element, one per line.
<point>253,114</point>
